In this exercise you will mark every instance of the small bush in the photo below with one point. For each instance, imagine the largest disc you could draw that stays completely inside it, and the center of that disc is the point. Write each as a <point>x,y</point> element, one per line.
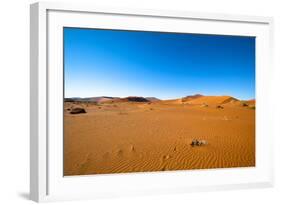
<point>245,105</point>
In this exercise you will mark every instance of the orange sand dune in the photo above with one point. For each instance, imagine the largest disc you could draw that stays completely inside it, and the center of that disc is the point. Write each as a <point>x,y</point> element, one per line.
<point>139,136</point>
<point>171,102</point>
<point>251,102</point>
<point>212,100</point>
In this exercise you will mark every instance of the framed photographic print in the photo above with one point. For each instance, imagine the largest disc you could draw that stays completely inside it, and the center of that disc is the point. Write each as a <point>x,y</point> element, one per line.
<point>129,102</point>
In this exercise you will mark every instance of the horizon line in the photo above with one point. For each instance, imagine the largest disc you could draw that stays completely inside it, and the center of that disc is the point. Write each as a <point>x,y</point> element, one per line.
<point>106,96</point>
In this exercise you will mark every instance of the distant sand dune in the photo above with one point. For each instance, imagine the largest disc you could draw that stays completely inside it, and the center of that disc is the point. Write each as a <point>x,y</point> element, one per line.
<point>212,100</point>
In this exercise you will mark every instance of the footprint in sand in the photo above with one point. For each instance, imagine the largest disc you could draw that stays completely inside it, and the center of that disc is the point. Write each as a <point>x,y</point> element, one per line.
<point>132,148</point>
<point>106,155</point>
<point>166,157</point>
<point>120,152</point>
<point>225,118</point>
<point>164,168</point>
<point>84,165</point>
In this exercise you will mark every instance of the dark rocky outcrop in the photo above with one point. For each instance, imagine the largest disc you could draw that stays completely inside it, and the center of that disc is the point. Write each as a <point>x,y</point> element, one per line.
<point>135,99</point>
<point>77,110</point>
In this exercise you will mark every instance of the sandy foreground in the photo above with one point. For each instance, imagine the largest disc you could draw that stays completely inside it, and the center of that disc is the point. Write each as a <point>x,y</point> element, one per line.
<point>123,137</point>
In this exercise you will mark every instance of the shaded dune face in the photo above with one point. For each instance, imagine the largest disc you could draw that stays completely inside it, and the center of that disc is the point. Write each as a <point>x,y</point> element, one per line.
<point>135,136</point>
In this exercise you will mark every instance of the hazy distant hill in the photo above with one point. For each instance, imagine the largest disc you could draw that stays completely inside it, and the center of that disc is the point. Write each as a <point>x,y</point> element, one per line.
<point>152,99</point>
<point>132,99</point>
<point>91,99</point>
<point>191,97</point>
<point>104,99</point>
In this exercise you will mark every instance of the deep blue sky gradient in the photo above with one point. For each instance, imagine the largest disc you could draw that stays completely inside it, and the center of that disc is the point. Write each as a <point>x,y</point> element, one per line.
<point>163,65</point>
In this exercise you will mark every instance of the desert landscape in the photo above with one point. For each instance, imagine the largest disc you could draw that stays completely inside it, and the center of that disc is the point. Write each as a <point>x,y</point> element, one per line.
<point>148,101</point>
<point>105,135</point>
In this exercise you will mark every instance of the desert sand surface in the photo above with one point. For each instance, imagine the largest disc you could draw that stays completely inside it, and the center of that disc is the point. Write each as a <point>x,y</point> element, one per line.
<point>119,135</point>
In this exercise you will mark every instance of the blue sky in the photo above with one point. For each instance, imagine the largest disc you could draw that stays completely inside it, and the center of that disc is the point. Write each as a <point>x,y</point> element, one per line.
<point>163,65</point>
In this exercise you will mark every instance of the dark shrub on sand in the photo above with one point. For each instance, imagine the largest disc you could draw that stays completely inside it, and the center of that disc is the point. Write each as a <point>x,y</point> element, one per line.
<point>196,142</point>
<point>245,105</point>
<point>77,110</point>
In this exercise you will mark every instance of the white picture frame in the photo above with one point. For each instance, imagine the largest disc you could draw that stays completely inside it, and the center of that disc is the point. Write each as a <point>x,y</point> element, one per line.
<point>46,177</point>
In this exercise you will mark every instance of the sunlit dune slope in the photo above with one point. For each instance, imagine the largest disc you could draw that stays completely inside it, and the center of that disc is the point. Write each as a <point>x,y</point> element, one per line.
<point>212,100</point>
